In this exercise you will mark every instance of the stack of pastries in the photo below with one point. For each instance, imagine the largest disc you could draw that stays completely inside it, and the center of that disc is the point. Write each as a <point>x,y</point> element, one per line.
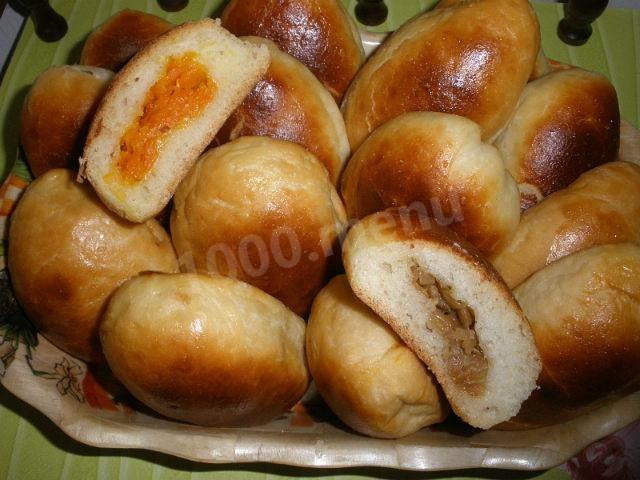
<point>447,226</point>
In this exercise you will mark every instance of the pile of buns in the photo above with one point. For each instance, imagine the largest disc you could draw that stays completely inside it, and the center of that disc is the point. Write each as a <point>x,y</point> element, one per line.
<point>472,193</point>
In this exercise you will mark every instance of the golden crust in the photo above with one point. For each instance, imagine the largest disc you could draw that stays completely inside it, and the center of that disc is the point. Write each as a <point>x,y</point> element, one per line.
<point>458,58</point>
<point>290,103</point>
<point>555,136</point>
<point>68,253</point>
<point>364,372</point>
<point>113,43</point>
<point>320,34</point>
<point>56,115</point>
<point>206,350</point>
<point>602,206</point>
<point>584,311</point>
<point>264,211</point>
<point>435,161</point>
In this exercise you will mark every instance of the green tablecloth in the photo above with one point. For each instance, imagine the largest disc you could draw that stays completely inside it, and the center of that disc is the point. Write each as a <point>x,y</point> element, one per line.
<point>31,447</point>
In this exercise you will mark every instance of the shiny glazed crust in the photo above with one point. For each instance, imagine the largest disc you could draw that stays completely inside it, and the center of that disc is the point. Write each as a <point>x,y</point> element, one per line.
<point>436,162</point>
<point>56,115</point>
<point>555,135</point>
<point>319,33</point>
<point>264,211</point>
<point>366,374</point>
<point>584,312</point>
<point>210,351</point>
<point>68,253</point>
<point>458,58</point>
<point>602,206</point>
<point>118,39</point>
<point>290,103</point>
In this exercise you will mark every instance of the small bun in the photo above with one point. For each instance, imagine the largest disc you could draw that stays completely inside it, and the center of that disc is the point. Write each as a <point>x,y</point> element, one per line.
<point>56,115</point>
<point>68,253</point>
<point>261,210</point>
<point>555,135</point>
<point>212,351</point>
<point>437,163</point>
<point>365,373</point>
<point>457,58</point>
<point>113,43</point>
<point>319,33</point>
<point>290,103</point>
<point>451,308</point>
<point>602,206</point>
<point>584,312</point>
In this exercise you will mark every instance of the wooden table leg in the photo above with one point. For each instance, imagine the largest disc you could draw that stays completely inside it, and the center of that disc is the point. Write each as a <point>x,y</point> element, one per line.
<point>575,28</point>
<point>371,12</point>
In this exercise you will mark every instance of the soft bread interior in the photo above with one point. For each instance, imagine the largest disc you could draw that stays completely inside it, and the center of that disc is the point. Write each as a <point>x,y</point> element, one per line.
<point>234,66</point>
<point>384,277</point>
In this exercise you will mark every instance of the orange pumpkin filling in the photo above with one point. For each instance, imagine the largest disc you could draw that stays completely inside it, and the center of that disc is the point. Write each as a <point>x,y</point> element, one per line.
<point>179,96</point>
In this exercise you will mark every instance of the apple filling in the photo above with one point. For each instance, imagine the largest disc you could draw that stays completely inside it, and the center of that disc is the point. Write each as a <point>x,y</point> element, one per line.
<point>180,95</point>
<point>453,320</point>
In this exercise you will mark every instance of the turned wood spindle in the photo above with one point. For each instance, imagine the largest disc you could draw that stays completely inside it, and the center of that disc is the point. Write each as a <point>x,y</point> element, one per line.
<point>371,12</point>
<point>173,5</point>
<point>575,27</point>
<point>50,26</point>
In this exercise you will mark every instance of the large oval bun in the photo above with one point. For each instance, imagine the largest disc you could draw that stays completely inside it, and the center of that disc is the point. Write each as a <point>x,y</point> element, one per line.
<point>206,350</point>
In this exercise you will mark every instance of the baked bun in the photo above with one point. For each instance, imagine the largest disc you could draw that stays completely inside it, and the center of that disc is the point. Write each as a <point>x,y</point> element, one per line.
<point>261,210</point>
<point>600,207</point>
<point>437,163</point>
<point>56,115</point>
<point>290,103</point>
<point>457,58</point>
<point>365,373</point>
<point>319,33</point>
<point>162,110</point>
<point>124,34</point>
<point>68,253</point>
<point>450,307</point>
<point>584,311</point>
<point>212,351</point>
<point>555,135</point>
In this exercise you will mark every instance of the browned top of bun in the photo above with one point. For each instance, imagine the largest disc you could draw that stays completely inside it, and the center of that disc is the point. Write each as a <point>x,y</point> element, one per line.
<point>458,59</point>
<point>556,134</point>
<point>261,210</point>
<point>290,103</point>
<point>318,33</point>
<point>602,206</point>
<point>56,115</point>
<point>584,311</point>
<point>118,39</point>
<point>206,350</point>
<point>436,162</point>
<point>68,253</point>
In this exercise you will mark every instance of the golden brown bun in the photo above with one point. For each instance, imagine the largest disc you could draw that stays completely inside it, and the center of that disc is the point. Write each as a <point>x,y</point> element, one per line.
<point>584,312</point>
<point>435,162</point>
<point>113,43</point>
<point>319,33</point>
<point>457,59</point>
<point>68,253</point>
<point>56,115</point>
<point>290,103</point>
<point>451,308</point>
<point>365,373</point>
<point>261,210</point>
<point>212,351</point>
<point>602,206</point>
<point>555,135</point>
